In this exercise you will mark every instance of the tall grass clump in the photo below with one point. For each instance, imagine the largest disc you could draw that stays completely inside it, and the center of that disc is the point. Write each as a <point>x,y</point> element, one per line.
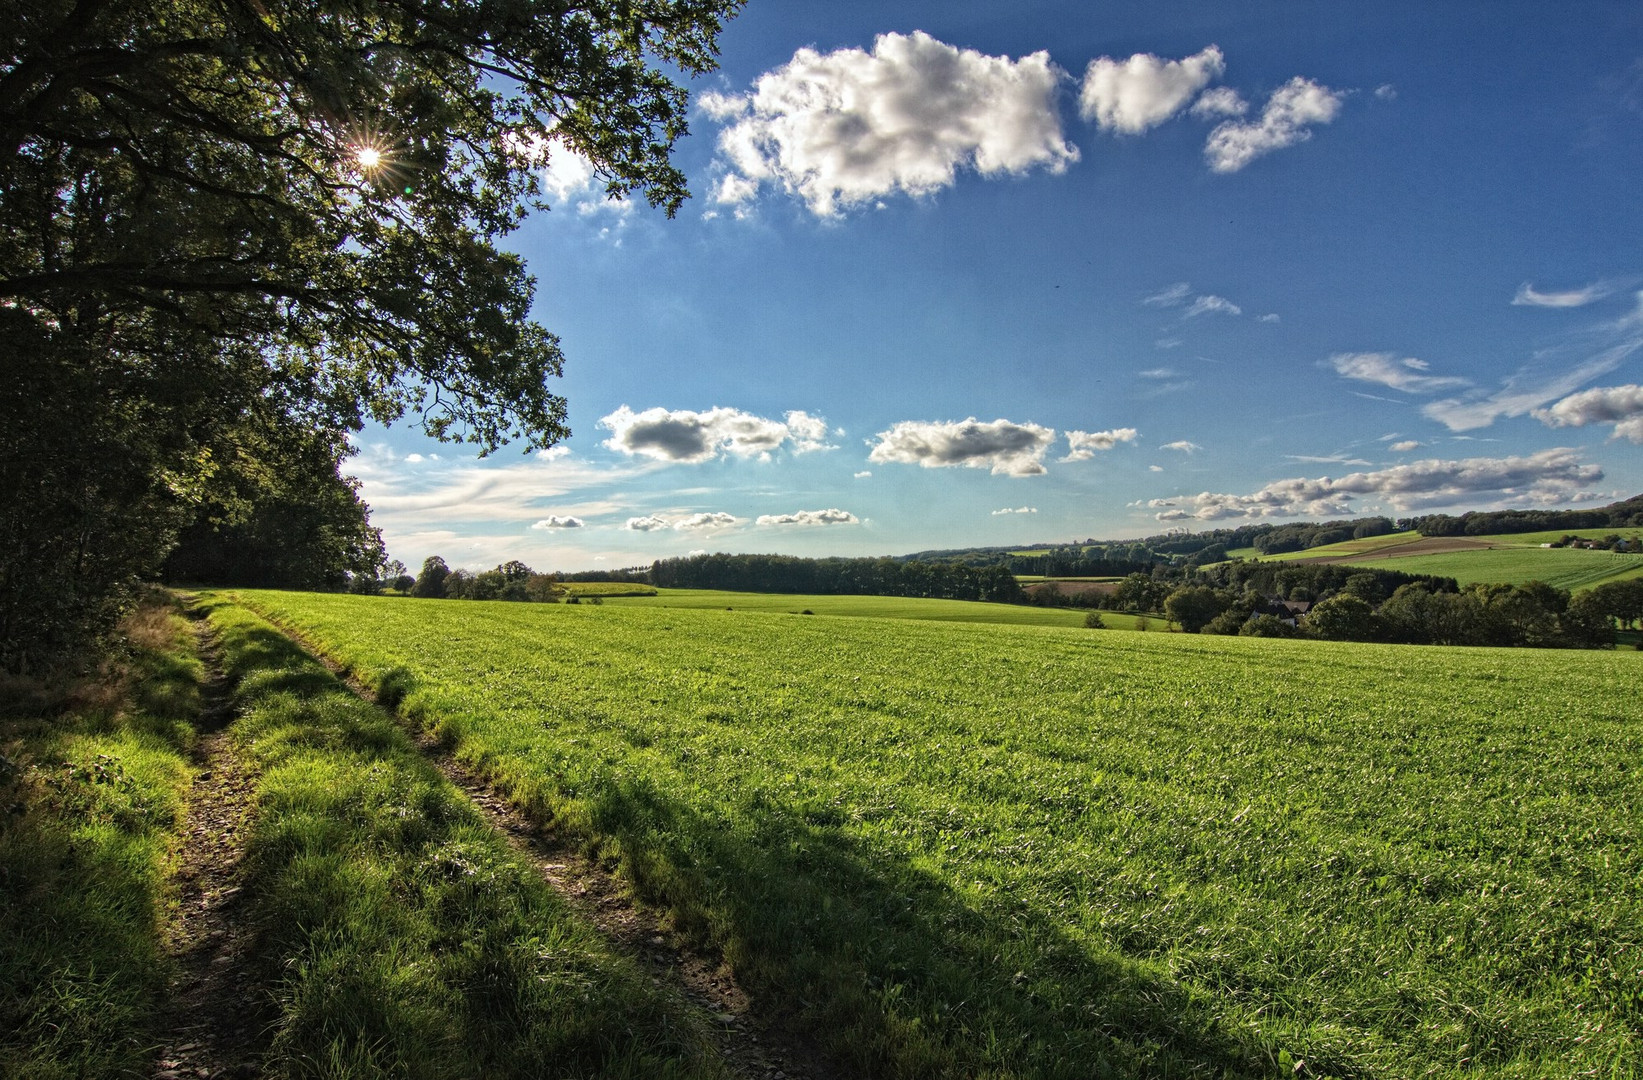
<point>400,935</point>
<point>92,783</point>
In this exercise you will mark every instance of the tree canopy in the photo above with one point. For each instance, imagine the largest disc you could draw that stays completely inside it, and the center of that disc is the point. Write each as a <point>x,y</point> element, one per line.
<point>210,209</point>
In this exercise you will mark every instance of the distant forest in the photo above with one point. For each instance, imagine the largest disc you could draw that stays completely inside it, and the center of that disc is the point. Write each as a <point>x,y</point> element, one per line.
<point>945,580</point>
<point>1620,515</point>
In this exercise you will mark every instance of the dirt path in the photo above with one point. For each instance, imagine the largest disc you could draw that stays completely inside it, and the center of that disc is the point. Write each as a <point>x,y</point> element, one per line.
<point>213,1026</point>
<point>752,1046</point>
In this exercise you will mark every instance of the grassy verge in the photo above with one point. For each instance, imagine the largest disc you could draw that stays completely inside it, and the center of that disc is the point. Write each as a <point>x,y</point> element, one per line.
<point>93,787</point>
<point>401,935</point>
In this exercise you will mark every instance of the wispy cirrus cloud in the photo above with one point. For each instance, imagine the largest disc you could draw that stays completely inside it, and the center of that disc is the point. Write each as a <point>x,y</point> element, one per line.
<point>1521,393</point>
<point>1550,477</point>
<point>681,436</point>
<point>1181,446</point>
<point>1407,374</point>
<point>1529,296</point>
<point>1211,304</point>
<point>840,129</point>
<point>1015,510</point>
<point>1325,459</point>
<point>1604,347</point>
<point>1180,295</point>
<point>1001,446</point>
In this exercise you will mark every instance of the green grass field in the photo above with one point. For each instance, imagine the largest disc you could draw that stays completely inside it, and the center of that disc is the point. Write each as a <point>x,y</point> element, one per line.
<point>1567,568</point>
<point>872,607</point>
<point>986,851</point>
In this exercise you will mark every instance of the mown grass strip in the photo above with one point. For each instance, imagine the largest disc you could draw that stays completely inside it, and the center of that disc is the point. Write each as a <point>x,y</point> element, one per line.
<point>1025,852</point>
<point>91,798</point>
<point>400,936</point>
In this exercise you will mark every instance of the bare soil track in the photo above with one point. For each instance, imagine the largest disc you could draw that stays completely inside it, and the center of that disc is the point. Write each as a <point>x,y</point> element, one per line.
<point>215,1023</point>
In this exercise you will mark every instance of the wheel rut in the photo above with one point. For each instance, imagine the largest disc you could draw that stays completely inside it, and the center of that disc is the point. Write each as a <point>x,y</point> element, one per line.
<point>751,1045</point>
<point>214,1024</point>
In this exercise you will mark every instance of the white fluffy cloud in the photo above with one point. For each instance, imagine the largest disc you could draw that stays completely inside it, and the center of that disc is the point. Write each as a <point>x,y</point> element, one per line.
<point>554,521</point>
<point>832,516</point>
<point>1386,369</point>
<point>1007,448</point>
<point>689,437</point>
<point>691,523</point>
<point>1286,120</point>
<point>1142,92</point>
<point>1404,446</point>
<point>1621,406</point>
<point>1181,445</point>
<point>570,180</point>
<point>1016,510</point>
<point>1528,296</point>
<point>1082,445</point>
<point>1219,102</point>
<point>704,522</point>
<point>844,128</point>
<point>1549,477</point>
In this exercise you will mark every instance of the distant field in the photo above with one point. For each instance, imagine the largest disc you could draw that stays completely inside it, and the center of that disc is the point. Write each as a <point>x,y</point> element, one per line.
<point>1345,547</point>
<point>873,607</point>
<point>1566,568</point>
<point>1537,538</point>
<point>1506,559</point>
<point>609,588</point>
<point>1016,851</point>
<point>1033,578</point>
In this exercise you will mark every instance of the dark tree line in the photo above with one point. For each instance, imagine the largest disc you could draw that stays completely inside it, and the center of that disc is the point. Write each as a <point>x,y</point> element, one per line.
<point>1619,515</point>
<point>512,580</point>
<point>1534,615</point>
<point>838,576</point>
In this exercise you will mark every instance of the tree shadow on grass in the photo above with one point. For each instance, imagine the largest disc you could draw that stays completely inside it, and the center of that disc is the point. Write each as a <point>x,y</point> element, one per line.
<point>896,974</point>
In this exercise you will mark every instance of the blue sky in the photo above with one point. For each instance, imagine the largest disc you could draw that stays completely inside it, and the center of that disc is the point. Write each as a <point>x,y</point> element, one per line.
<point>973,273</point>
